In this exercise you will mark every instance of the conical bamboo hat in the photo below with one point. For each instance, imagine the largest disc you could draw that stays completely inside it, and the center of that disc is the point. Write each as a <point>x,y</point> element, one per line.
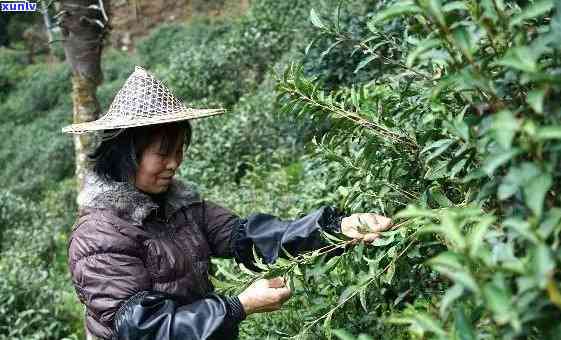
<point>143,100</point>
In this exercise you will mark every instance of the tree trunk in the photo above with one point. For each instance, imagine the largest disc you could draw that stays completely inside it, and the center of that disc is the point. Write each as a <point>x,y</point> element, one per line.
<point>83,24</point>
<point>47,21</point>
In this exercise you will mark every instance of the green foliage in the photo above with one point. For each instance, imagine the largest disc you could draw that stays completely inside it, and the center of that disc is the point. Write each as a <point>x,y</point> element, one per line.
<point>11,69</point>
<point>223,149</point>
<point>154,50</point>
<point>37,89</point>
<point>443,115</point>
<point>35,156</point>
<point>37,298</point>
<point>326,57</point>
<point>459,122</point>
<point>232,68</point>
<point>232,59</point>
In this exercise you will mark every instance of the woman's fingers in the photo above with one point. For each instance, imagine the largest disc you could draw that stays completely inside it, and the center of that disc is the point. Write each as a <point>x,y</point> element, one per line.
<point>364,226</point>
<point>349,227</point>
<point>369,238</point>
<point>265,295</point>
<point>284,294</point>
<point>351,232</point>
<point>377,222</point>
<point>372,222</point>
<point>276,282</point>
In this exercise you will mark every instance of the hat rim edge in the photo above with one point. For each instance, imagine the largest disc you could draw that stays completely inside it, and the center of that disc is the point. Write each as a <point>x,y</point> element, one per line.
<point>95,125</point>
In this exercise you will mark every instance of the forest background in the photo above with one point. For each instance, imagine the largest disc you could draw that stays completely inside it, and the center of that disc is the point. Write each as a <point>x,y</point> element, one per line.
<point>444,115</point>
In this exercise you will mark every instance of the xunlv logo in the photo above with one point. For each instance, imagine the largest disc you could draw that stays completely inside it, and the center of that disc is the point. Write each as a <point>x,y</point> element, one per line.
<point>18,6</point>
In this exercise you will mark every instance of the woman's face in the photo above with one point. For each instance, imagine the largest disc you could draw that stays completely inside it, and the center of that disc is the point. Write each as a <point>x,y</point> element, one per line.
<point>156,169</point>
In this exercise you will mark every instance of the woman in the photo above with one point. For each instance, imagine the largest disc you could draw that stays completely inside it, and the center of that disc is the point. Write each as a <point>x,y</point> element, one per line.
<point>140,250</point>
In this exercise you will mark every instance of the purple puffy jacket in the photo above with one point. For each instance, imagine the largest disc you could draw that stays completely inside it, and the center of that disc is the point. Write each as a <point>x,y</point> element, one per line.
<point>141,268</point>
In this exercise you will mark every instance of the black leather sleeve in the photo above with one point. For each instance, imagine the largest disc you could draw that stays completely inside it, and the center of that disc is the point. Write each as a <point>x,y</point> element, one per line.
<point>268,234</point>
<point>158,316</point>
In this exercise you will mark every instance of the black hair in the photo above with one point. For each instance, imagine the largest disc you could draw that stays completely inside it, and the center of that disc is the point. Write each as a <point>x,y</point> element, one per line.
<point>118,158</point>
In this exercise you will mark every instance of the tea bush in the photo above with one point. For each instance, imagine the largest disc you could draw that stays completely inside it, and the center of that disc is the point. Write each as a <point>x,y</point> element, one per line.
<point>36,89</point>
<point>37,298</point>
<point>223,147</point>
<point>444,115</point>
<point>460,123</point>
<point>11,69</point>
<point>234,57</point>
<point>35,156</point>
<point>154,50</point>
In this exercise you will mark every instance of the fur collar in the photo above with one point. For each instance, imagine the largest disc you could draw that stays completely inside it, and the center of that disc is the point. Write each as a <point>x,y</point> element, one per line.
<point>128,201</point>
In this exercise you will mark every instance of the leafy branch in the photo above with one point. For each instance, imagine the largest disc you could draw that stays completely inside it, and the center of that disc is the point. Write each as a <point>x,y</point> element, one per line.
<point>294,88</point>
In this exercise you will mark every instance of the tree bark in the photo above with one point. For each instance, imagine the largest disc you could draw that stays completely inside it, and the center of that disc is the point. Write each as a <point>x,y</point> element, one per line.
<point>83,25</point>
<point>47,21</point>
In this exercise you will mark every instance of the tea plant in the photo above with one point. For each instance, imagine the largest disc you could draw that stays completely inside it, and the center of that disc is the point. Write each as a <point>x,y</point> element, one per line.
<point>460,122</point>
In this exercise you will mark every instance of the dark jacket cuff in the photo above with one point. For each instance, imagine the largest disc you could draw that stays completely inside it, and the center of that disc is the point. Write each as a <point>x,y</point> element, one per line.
<point>331,219</point>
<point>241,246</point>
<point>270,235</point>
<point>236,312</point>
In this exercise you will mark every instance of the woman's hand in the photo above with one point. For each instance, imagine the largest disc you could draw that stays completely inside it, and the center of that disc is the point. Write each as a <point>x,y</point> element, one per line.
<point>264,296</point>
<point>364,226</point>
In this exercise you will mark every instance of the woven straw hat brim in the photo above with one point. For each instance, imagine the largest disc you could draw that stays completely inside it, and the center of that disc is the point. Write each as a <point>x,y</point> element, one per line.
<point>106,124</point>
<point>143,100</point>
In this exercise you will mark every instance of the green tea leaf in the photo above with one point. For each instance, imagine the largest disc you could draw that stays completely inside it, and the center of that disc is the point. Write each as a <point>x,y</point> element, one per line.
<point>543,265</point>
<point>535,191</point>
<point>464,330</point>
<point>548,132</point>
<point>364,337</point>
<point>551,223</point>
<point>509,185</point>
<point>520,58</point>
<point>362,299</point>
<point>454,6</point>
<point>462,278</point>
<point>435,9</point>
<point>451,295</point>
<point>436,171</point>
<point>440,146</point>
<point>447,259</point>
<point>400,9</point>
<point>465,41</point>
<point>327,324</point>
<point>436,194</point>
<point>499,302</point>
<point>536,9</point>
<point>422,47</point>
<point>314,18</point>
<point>477,235</point>
<point>365,62</point>
<point>413,211</point>
<point>343,334</point>
<point>489,11</point>
<point>535,99</point>
<point>523,228</point>
<point>505,126</point>
<point>494,161</point>
<point>428,324</point>
<point>383,241</point>
<point>388,276</point>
